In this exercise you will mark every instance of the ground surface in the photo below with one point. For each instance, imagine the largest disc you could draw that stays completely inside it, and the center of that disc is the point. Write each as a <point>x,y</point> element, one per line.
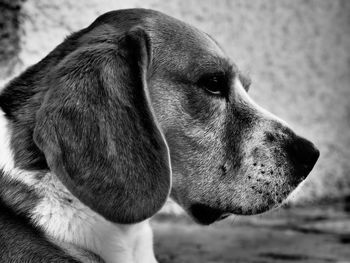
<point>304,235</point>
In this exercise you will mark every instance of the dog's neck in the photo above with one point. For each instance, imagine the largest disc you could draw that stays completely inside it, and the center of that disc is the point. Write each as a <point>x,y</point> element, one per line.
<point>63,218</point>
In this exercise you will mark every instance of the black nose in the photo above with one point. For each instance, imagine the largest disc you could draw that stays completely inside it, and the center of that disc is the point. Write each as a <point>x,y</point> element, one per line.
<point>303,154</point>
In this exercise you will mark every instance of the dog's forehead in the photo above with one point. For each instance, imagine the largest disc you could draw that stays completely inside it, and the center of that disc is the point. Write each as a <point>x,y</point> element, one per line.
<point>176,45</point>
<point>190,39</point>
<point>182,46</point>
<point>184,35</point>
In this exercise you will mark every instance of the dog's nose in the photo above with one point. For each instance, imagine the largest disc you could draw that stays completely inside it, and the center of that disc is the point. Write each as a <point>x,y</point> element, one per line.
<point>303,155</point>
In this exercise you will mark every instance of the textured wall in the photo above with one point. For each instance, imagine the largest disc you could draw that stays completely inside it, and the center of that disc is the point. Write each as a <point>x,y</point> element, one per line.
<point>297,52</point>
<point>9,35</point>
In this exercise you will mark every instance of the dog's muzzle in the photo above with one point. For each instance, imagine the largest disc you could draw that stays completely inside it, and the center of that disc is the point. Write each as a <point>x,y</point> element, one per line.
<point>301,154</point>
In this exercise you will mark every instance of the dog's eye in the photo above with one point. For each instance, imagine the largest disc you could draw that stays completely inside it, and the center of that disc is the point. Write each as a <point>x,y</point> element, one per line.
<point>214,84</point>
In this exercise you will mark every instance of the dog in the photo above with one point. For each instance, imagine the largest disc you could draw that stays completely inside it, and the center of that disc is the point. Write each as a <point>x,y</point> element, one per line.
<point>96,134</point>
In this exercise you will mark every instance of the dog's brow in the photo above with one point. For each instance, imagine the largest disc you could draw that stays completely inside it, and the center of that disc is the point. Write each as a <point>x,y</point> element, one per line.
<point>219,64</point>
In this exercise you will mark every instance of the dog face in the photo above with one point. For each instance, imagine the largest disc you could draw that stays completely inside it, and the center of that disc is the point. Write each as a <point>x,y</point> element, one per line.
<point>105,108</point>
<point>228,154</point>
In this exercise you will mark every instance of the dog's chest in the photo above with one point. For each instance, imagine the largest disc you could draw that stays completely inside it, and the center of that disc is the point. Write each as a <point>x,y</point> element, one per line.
<point>78,229</point>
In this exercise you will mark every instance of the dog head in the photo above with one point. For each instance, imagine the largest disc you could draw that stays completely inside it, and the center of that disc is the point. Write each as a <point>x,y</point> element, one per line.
<point>108,105</point>
<point>228,155</point>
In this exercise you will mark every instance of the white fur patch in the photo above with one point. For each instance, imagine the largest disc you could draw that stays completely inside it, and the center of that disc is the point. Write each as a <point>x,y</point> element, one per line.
<point>6,155</point>
<point>64,218</point>
<point>7,163</point>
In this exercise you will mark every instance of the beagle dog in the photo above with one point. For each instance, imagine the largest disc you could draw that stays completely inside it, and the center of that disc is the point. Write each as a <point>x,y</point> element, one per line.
<point>96,134</point>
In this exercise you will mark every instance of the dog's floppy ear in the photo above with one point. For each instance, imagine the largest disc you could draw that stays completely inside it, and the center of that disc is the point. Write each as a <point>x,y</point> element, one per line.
<point>98,131</point>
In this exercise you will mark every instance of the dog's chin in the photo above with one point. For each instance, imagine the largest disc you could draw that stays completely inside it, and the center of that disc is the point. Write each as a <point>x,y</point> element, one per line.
<point>206,215</point>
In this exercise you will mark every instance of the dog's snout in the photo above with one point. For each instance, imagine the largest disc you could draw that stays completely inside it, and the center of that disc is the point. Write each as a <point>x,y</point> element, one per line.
<point>303,155</point>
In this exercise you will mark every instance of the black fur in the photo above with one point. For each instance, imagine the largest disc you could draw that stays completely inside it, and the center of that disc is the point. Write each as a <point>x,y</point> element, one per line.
<point>20,197</point>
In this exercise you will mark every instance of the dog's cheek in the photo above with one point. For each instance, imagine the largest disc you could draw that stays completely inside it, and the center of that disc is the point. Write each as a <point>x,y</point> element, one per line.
<point>197,156</point>
<point>165,99</point>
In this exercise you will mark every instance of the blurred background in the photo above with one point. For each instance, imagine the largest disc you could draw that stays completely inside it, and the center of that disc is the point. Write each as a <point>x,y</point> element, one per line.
<point>298,56</point>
